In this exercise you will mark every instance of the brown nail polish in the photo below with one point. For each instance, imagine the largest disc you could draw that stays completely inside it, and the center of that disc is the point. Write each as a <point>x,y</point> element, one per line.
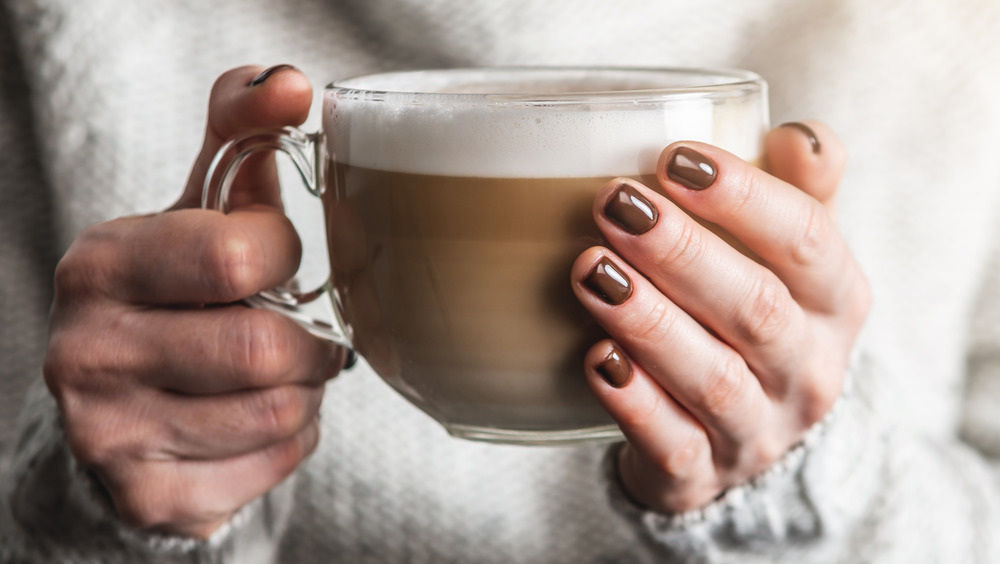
<point>609,282</point>
<point>260,78</point>
<point>615,369</point>
<point>691,169</point>
<point>350,359</point>
<point>630,210</point>
<point>809,133</point>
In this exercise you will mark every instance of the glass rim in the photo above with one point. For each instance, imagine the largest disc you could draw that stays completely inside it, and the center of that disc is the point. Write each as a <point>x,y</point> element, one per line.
<point>718,83</point>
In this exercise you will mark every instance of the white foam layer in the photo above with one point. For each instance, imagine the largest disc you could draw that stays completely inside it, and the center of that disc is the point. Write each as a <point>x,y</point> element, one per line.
<point>407,134</point>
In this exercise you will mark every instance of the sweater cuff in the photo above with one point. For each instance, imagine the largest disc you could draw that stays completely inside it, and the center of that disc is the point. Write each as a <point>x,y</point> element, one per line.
<point>798,499</point>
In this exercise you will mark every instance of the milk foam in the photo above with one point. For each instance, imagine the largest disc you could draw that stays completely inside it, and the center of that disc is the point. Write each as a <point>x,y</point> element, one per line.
<point>514,137</point>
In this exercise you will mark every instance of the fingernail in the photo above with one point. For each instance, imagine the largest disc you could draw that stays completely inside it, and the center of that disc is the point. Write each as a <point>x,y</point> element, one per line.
<point>809,133</point>
<point>260,78</point>
<point>351,359</point>
<point>691,169</point>
<point>630,210</point>
<point>609,282</point>
<point>615,369</point>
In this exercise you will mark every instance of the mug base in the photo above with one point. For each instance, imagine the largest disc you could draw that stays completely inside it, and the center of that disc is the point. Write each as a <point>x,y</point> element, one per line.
<point>599,434</point>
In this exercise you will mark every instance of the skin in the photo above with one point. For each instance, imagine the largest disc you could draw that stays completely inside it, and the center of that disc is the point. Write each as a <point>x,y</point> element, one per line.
<point>733,359</point>
<point>186,405</point>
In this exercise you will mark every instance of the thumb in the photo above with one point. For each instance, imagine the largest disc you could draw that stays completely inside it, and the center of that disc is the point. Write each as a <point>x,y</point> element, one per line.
<point>246,99</point>
<point>809,156</point>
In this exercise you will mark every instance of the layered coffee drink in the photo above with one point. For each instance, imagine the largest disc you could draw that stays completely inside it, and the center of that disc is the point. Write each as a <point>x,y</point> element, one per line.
<point>456,202</point>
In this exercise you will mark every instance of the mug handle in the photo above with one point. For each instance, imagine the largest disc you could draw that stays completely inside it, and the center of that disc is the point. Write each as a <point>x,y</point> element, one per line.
<point>305,151</point>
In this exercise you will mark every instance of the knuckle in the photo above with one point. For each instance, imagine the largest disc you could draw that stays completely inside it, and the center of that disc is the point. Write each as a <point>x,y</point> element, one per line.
<point>231,266</point>
<point>277,411</point>
<point>642,413</point>
<point>60,365</point>
<point>260,346</point>
<point>282,458</point>
<point>687,246</point>
<point>682,462</point>
<point>725,387</point>
<point>71,276</point>
<point>89,449</point>
<point>764,453</point>
<point>93,399</point>
<point>767,314</point>
<point>139,505</point>
<point>652,324</point>
<point>72,360</point>
<point>82,270</point>
<point>94,439</point>
<point>310,442</point>
<point>194,501</point>
<point>287,455</point>
<point>164,497</point>
<point>817,398</point>
<point>89,350</point>
<point>812,246</point>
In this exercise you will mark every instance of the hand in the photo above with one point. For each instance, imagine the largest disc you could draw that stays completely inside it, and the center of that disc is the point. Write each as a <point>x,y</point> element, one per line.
<point>718,362</point>
<point>185,405</point>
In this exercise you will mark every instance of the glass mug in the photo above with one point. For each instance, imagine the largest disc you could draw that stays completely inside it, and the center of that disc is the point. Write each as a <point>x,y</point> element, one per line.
<point>455,202</point>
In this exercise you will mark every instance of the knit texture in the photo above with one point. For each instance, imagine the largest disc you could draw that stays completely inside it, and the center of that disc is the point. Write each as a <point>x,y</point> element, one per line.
<point>27,244</point>
<point>102,105</point>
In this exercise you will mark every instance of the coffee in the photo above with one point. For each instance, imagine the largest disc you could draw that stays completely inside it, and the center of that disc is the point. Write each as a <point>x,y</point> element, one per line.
<point>475,319</point>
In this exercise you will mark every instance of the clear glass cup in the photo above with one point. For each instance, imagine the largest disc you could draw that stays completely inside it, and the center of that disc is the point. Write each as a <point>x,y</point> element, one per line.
<point>455,202</point>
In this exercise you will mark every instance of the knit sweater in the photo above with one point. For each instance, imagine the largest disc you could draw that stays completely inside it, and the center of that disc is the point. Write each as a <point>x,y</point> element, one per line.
<point>101,114</point>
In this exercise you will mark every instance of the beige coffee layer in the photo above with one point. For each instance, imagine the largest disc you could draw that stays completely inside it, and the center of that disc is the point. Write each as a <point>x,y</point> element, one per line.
<point>461,297</point>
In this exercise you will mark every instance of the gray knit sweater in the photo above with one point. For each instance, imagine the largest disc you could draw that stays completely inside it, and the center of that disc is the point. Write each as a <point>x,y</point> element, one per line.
<point>101,109</point>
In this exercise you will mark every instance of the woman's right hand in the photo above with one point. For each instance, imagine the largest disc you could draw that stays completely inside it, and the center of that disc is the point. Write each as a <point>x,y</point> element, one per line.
<point>185,404</point>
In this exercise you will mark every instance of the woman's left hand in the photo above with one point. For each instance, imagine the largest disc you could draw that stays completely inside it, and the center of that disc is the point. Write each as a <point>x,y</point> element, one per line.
<point>718,363</point>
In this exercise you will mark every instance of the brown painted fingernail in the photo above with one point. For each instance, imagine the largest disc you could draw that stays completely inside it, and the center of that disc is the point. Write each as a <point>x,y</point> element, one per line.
<point>630,210</point>
<point>350,359</point>
<point>615,369</point>
<point>269,72</point>
<point>809,133</point>
<point>691,169</point>
<point>609,282</point>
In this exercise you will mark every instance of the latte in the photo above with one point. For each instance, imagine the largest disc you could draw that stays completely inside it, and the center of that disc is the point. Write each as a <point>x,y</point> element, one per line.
<point>454,218</point>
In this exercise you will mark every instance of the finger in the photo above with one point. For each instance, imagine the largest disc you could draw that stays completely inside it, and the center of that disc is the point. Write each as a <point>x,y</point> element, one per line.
<point>203,351</point>
<point>669,439</point>
<point>809,156</point>
<point>238,104</point>
<point>742,302</point>
<point>700,372</point>
<point>183,257</point>
<point>226,425</point>
<point>789,230</point>
<point>155,424</point>
<point>194,498</point>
